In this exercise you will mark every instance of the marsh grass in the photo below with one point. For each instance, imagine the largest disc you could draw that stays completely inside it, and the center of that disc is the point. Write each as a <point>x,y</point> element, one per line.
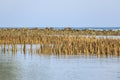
<point>68,44</point>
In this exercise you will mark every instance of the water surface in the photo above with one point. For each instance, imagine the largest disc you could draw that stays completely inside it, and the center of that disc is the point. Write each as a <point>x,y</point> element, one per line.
<point>31,66</point>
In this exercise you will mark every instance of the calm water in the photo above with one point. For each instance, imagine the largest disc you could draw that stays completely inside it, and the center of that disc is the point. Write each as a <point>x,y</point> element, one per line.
<point>31,66</point>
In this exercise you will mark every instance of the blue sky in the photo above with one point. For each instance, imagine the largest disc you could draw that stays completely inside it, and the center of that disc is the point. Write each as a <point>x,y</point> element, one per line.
<point>57,13</point>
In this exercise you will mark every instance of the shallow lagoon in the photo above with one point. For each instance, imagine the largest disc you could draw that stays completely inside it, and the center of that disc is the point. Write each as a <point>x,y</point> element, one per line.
<point>33,66</point>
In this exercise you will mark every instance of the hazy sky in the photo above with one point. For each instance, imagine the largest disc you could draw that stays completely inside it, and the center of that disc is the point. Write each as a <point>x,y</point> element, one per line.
<point>69,13</point>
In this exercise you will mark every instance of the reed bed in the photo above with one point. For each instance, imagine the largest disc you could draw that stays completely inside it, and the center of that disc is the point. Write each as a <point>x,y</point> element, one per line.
<point>61,42</point>
<point>51,31</point>
<point>64,45</point>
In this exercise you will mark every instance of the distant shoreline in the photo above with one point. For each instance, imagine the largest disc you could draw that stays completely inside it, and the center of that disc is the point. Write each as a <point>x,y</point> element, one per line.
<point>73,28</point>
<point>56,31</point>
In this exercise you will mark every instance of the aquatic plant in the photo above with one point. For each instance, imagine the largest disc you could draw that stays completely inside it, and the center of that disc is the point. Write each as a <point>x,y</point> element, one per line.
<point>62,42</point>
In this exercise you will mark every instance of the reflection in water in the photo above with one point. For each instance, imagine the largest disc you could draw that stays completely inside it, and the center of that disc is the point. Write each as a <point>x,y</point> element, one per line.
<point>51,49</point>
<point>24,48</point>
<point>39,62</point>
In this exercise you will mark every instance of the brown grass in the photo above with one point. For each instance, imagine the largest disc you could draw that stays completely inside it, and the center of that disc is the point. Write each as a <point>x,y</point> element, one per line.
<point>69,45</point>
<point>51,43</point>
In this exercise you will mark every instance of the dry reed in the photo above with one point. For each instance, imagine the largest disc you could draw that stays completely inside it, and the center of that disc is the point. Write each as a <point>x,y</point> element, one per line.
<point>60,45</point>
